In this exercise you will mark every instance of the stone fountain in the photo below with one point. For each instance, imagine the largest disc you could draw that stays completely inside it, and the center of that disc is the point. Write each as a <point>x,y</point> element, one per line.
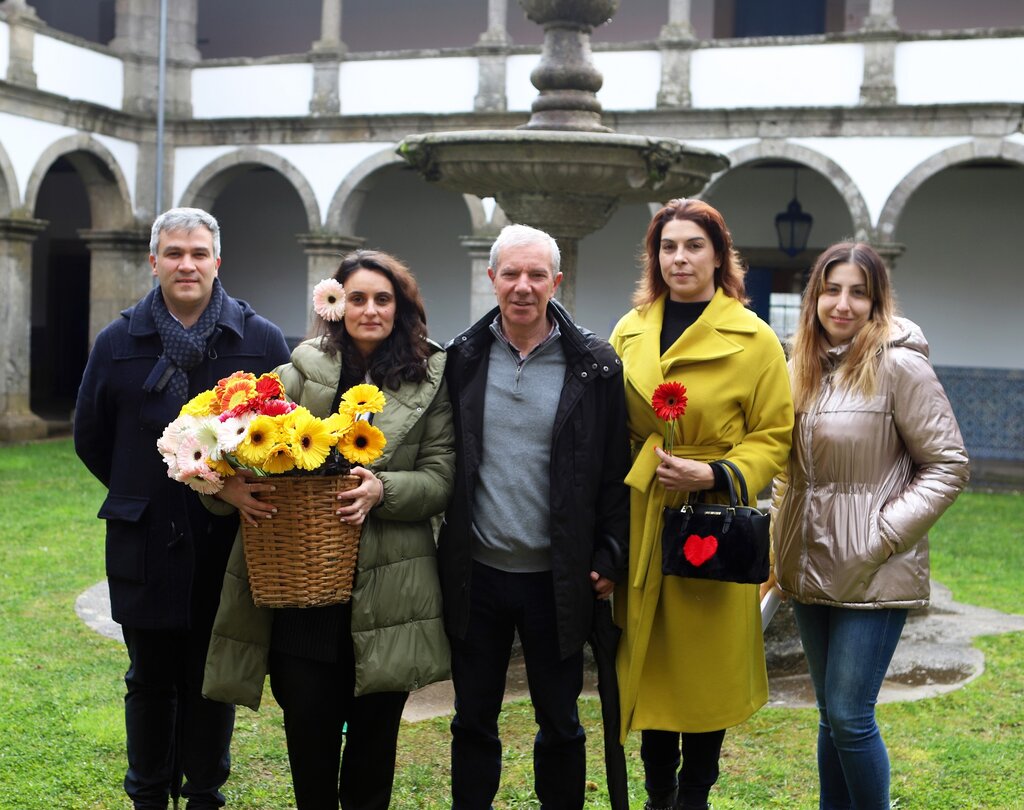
<point>563,171</point>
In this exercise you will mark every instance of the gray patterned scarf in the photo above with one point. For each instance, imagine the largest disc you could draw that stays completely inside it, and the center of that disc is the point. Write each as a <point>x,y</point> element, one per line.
<point>184,349</point>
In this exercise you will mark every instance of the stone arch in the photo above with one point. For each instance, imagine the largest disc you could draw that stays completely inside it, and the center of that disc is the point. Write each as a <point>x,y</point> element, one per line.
<point>983,149</point>
<point>343,212</point>
<point>9,200</point>
<point>215,176</point>
<point>828,168</point>
<point>109,197</point>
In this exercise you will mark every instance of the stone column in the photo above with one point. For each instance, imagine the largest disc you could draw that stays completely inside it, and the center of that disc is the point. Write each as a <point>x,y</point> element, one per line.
<point>880,32</point>
<point>17,422</point>
<point>492,52</point>
<point>326,57</point>
<point>24,24</point>
<point>119,273</point>
<point>676,43</point>
<point>481,291</point>
<point>324,253</point>
<point>890,252</point>
<point>137,41</point>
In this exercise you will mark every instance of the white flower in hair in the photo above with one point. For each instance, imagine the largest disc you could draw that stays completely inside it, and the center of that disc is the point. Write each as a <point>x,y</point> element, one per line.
<point>329,299</point>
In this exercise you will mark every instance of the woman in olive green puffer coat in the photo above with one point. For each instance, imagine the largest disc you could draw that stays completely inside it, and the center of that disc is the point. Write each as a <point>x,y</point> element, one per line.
<point>354,664</point>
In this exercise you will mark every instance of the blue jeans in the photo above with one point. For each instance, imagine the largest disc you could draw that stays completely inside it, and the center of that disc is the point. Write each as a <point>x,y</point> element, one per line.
<point>848,652</point>
<point>502,603</point>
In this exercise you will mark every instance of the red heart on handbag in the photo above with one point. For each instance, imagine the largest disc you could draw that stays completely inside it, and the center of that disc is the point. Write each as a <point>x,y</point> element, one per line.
<point>698,550</point>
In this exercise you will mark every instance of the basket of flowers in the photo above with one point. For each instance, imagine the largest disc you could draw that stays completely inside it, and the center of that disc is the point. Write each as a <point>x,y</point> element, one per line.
<point>305,556</point>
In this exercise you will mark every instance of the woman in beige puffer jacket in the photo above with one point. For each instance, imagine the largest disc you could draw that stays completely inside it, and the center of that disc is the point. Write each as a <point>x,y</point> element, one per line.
<point>877,457</point>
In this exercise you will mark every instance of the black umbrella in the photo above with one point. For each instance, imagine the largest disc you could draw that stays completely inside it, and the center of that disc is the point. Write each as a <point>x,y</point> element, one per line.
<point>604,640</point>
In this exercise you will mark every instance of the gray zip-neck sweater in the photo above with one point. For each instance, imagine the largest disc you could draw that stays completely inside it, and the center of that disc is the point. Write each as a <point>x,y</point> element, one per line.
<point>511,509</point>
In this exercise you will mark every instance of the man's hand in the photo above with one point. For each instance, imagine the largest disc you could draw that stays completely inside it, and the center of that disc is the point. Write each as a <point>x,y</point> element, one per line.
<point>239,490</point>
<point>603,586</point>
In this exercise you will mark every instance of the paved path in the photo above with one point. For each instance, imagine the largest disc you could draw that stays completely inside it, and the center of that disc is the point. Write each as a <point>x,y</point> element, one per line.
<point>935,655</point>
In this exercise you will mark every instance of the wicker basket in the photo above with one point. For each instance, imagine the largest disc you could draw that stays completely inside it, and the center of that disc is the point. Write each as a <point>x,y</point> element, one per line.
<point>305,556</point>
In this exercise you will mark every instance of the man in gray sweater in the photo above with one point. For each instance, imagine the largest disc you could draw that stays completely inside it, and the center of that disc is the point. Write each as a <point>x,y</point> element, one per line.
<point>537,529</point>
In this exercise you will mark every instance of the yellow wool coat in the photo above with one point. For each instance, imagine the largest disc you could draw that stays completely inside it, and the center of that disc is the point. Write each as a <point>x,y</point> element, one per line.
<point>691,657</point>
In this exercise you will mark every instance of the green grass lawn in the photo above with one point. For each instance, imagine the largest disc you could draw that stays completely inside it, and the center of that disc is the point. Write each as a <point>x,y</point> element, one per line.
<point>61,688</point>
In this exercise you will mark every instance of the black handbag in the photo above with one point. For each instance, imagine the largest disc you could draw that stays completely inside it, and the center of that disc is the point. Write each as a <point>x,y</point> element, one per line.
<point>726,542</point>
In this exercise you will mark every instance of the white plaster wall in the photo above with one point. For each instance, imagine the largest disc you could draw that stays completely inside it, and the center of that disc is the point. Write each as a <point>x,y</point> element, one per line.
<point>126,154</point>
<point>78,73</point>
<point>519,93</point>
<point>379,87</point>
<point>25,140</point>
<point>777,76</point>
<point>325,166</point>
<point>960,275</point>
<point>878,165</point>
<point>631,79</point>
<point>5,48</point>
<point>252,91</point>
<point>955,71</point>
<point>189,161</point>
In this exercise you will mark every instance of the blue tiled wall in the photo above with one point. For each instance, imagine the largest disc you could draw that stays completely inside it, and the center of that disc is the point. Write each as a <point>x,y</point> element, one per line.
<point>989,405</point>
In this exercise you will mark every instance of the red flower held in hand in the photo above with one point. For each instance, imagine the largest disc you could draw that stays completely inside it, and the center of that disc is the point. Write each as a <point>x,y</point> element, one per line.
<point>669,401</point>
<point>698,550</point>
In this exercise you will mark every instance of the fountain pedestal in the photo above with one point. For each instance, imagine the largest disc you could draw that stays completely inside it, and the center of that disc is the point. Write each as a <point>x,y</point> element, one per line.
<point>563,172</point>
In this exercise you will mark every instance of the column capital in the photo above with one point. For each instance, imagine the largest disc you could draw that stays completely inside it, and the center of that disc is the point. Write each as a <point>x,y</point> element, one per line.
<point>328,244</point>
<point>115,239</point>
<point>890,252</point>
<point>21,229</point>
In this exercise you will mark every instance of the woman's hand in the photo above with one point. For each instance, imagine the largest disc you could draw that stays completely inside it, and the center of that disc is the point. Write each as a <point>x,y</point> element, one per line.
<point>357,503</point>
<point>683,474</point>
<point>238,491</point>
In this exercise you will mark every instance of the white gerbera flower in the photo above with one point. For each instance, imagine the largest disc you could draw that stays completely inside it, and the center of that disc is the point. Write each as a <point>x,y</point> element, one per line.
<point>329,299</point>
<point>232,430</point>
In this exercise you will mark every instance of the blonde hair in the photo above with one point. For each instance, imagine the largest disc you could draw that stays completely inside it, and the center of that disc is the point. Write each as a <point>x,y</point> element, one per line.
<point>858,369</point>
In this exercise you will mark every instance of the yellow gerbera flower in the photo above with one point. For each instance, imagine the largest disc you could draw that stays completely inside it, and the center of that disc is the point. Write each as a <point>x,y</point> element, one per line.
<point>360,399</point>
<point>261,437</point>
<point>363,444</point>
<point>279,459</point>
<point>204,404</point>
<point>221,467</point>
<point>338,424</point>
<point>309,439</point>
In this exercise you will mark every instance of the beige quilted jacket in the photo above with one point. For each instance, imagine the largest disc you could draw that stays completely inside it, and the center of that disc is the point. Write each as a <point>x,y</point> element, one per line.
<point>867,478</point>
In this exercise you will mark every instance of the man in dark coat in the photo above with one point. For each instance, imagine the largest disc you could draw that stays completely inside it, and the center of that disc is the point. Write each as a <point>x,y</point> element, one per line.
<point>538,525</point>
<point>165,553</point>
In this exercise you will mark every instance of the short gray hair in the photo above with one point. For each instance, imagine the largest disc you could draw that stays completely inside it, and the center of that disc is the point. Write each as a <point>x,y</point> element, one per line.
<point>520,235</point>
<point>184,219</point>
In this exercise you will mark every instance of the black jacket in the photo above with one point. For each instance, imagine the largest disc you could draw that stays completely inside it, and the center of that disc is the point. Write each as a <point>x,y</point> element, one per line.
<point>165,553</point>
<point>589,460</point>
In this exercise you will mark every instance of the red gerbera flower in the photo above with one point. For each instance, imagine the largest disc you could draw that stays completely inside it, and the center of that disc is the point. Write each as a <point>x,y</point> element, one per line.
<point>669,401</point>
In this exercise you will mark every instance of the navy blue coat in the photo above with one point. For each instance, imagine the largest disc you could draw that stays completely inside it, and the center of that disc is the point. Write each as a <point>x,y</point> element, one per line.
<point>165,552</point>
<point>589,460</point>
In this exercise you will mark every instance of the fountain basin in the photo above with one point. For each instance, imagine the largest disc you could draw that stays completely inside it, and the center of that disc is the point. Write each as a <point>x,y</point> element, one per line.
<point>568,183</point>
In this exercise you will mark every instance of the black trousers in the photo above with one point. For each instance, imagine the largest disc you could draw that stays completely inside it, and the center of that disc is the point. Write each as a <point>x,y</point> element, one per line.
<point>355,769</point>
<point>502,603</point>
<point>169,723</point>
<point>660,752</point>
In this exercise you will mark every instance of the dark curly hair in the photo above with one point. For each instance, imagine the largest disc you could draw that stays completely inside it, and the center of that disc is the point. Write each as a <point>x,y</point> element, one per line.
<point>402,356</point>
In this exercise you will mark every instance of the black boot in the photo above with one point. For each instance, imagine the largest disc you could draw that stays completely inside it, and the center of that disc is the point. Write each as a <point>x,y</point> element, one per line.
<point>661,801</point>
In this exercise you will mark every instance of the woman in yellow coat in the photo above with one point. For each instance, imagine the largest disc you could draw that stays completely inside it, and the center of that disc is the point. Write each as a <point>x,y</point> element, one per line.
<point>691,661</point>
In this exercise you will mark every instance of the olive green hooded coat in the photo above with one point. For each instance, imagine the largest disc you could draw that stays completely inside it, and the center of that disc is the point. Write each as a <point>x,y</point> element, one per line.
<point>397,629</point>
